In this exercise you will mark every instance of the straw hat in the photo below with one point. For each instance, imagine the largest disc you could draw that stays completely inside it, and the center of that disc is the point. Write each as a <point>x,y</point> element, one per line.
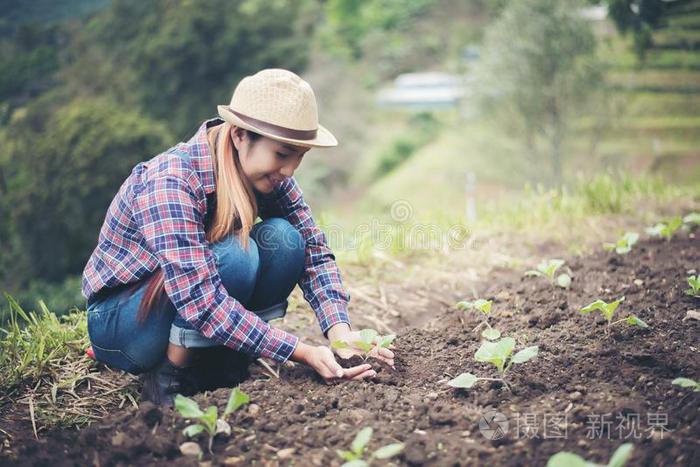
<point>280,105</point>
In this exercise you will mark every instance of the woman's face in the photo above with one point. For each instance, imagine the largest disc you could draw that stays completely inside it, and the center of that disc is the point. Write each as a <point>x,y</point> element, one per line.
<point>266,162</point>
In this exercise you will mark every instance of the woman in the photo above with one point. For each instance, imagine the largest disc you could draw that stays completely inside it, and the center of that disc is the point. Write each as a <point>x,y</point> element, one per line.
<point>182,282</point>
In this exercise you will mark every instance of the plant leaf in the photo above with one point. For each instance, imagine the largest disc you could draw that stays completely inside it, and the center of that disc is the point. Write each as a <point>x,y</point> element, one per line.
<point>564,281</point>
<point>597,305</point>
<point>495,353</point>
<point>693,217</point>
<point>463,381</point>
<point>193,430</point>
<point>633,320</point>
<point>365,347</point>
<point>567,459</point>
<point>619,458</point>
<point>491,334</point>
<point>355,463</point>
<point>187,407</point>
<point>390,450</point>
<point>346,455</point>
<point>236,400</point>
<point>687,383</point>
<point>209,419</point>
<point>526,354</point>
<point>482,305</point>
<point>532,272</point>
<point>339,345</point>
<point>361,440</point>
<point>368,336</point>
<point>222,426</point>
<point>387,340</point>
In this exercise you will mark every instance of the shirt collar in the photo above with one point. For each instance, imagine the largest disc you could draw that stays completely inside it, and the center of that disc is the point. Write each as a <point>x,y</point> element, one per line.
<point>201,156</point>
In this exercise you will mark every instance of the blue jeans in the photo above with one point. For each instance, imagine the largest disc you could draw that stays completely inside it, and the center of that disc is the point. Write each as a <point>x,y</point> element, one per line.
<point>261,278</point>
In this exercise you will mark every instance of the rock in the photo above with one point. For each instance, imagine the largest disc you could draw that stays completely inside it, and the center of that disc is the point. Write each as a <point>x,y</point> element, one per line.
<point>432,395</point>
<point>253,410</point>
<point>285,453</point>
<point>190,449</point>
<point>118,439</point>
<point>234,460</point>
<point>575,396</point>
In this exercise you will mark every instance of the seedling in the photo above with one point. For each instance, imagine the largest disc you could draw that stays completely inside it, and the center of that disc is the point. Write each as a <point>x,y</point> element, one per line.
<point>692,218</point>
<point>569,459</point>
<point>665,229</point>
<point>694,283</point>
<point>368,339</point>
<point>549,269</point>
<point>499,355</point>
<point>209,420</point>
<point>608,311</point>
<point>624,244</point>
<point>355,456</point>
<point>484,307</point>
<point>687,383</point>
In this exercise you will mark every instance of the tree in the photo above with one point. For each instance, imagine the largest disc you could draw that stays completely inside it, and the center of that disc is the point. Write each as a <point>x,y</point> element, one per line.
<point>538,67</point>
<point>62,169</point>
<point>638,16</point>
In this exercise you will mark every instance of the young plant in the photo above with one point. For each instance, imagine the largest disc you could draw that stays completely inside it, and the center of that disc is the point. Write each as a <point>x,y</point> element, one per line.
<point>549,269</point>
<point>665,229</point>
<point>569,459</point>
<point>499,355</point>
<point>608,311</point>
<point>687,383</point>
<point>355,456</point>
<point>624,244</point>
<point>484,307</point>
<point>368,339</point>
<point>694,283</point>
<point>692,218</point>
<point>209,420</point>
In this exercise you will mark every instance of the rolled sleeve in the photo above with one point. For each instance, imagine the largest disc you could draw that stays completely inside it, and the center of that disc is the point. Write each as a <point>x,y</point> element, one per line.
<point>171,219</point>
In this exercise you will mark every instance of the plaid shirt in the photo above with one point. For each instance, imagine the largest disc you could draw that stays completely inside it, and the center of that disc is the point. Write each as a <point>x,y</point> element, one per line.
<point>157,220</point>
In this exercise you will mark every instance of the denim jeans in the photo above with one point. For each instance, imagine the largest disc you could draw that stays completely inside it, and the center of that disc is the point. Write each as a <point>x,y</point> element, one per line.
<point>261,278</point>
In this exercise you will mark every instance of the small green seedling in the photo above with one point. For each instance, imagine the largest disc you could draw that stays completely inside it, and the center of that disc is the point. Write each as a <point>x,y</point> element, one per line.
<point>608,311</point>
<point>665,229</point>
<point>694,283</point>
<point>368,339</point>
<point>692,218</point>
<point>687,383</point>
<point>624,244</point>
<point>569,459</point>
<point>549,269</point>
<point>499,355</point>
<point>484,307</point>
<point>209,420</point>
<point>355,456</point>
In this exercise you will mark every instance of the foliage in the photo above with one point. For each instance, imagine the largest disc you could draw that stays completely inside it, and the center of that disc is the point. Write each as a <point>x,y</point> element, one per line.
<point>32,344</point>
<point>687,383</point>
<point>692,218</point>
<point>569,459</point>
<point>665,229</point>
<point>62,170</point>
<point>694,283</point>
<point>483,306</point>
<point>499,355</point>
<point>355,456</point>
<point>624,244</point>
<point>369,338</point>
<point>548,269</point>
<point>639,17</point>
<point>608,311</point>
<point>424,128</point>
<point>208,420</point>
<point>538,69</point>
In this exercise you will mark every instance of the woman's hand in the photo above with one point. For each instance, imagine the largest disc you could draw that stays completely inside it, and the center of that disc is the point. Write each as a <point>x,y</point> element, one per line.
<point>342,332</point>
<point>322,360</point>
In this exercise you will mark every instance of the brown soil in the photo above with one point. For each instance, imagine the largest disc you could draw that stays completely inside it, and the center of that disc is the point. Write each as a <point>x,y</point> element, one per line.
<point>583,380</point>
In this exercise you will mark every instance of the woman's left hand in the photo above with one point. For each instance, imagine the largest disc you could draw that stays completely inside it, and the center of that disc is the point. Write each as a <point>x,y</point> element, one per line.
<point>347,336</point>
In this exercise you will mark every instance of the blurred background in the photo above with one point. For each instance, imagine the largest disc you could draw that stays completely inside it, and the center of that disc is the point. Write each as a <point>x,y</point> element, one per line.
<point>490,115</point>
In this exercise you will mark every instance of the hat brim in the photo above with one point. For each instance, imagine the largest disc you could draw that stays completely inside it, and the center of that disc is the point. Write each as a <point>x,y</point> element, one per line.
<point>323,139</point>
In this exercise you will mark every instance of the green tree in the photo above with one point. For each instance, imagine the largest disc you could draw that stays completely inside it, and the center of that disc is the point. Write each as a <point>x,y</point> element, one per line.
<point>177,59</point>
<point>538,68</point>
<point>639,17</point>
<point>62,168</point>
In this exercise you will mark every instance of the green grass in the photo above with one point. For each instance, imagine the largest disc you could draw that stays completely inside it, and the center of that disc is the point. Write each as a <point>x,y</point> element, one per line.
<point>647,104</point>
<point>663,80</point>
<point>686,21</point>
<point>677,39</point>
<point>656,59</point>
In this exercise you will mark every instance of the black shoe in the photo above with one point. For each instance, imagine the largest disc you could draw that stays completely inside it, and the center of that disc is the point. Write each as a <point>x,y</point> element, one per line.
<point>220,367</point>
<point>162,383</point>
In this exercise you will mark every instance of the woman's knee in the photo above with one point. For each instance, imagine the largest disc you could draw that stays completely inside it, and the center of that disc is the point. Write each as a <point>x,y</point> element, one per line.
<point>279,236</point>
<point>237,266</point>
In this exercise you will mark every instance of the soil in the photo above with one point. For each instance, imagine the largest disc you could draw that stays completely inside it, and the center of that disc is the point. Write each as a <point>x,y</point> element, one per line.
<point>588,391</point>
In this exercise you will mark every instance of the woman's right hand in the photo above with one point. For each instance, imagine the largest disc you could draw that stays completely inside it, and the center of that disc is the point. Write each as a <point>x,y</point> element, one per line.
<point>322,359</point>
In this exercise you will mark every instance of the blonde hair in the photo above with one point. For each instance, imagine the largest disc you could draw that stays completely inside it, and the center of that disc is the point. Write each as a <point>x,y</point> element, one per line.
<point>236,207</point>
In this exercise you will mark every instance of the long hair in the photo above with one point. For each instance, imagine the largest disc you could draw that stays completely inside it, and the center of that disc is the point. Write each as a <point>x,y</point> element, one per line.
<point>236,208</point>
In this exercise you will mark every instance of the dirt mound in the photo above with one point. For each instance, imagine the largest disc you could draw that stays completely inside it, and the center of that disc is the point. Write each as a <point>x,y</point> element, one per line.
<point>586,392</point>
